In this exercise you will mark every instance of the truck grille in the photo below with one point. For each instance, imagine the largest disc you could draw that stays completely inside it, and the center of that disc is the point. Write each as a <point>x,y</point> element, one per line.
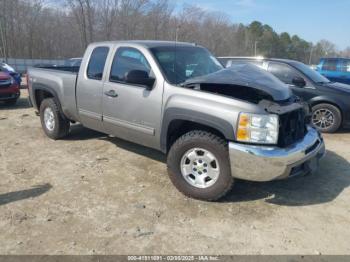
<point>292,127</point>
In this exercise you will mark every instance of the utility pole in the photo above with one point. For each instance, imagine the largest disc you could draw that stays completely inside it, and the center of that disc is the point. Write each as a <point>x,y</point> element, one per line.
<point>255,48</point>
<point>177,33</point>
<point>3,42</point>
<point>311,51</point>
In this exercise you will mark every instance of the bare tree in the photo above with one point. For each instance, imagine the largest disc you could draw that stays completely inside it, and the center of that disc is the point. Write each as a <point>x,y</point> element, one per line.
<point>158,19</point>
<point>83,12</point>
<point>63,28</point>
<point>327,47</point>
<point>107,13</point>
<point>346,52</point>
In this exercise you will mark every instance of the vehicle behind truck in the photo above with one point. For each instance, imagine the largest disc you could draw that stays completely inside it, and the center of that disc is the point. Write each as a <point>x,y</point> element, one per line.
<point>329,101</point>
<point>214,124</point>
<point>335,69</point>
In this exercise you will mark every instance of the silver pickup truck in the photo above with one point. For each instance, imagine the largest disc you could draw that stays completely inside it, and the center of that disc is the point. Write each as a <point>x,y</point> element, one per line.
<point>214,124</point>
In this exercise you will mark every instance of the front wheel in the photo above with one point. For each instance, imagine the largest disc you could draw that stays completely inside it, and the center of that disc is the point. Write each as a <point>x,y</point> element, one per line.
<point>53,123</point>
<point>326,118</point>
<point>198,166</point>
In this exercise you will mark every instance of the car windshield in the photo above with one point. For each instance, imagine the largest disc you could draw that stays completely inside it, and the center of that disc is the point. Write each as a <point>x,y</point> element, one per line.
<point>7,67</point>
<point>180,63</point>
<point>314,75</point>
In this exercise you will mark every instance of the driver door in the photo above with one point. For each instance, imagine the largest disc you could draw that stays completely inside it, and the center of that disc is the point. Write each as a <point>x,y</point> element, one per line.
<point>131,112</point>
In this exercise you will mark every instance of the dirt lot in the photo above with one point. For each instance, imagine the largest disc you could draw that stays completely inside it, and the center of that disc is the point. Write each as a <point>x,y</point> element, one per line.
<point>93,194</point>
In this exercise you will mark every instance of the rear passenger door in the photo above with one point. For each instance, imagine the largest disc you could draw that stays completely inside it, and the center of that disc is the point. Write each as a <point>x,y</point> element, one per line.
<point>132,112</point>
<point>90,87</point>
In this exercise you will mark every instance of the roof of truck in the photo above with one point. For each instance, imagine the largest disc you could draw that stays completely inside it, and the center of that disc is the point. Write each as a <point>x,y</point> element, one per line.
<point>149,43</point>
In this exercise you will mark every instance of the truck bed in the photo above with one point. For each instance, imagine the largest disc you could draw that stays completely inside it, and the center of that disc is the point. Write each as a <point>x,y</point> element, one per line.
<point>59,80</point>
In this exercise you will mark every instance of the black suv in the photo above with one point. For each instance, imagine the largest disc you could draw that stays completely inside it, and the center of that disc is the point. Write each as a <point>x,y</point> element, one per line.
<point>330,101</point>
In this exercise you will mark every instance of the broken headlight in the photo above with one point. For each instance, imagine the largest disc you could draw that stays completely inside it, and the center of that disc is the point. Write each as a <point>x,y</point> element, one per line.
<point>257,128</point>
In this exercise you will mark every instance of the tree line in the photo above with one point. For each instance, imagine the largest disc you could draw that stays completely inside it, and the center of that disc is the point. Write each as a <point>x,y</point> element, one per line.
<point>57,29</point>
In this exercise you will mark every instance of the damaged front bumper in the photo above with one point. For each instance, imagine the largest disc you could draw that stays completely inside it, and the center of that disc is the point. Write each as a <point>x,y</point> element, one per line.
<point>266,163</point>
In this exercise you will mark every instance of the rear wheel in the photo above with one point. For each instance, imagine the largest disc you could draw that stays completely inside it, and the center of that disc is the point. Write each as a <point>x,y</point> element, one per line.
<point>326,117</point>
<point>53,123</point>
<point>198,166</point>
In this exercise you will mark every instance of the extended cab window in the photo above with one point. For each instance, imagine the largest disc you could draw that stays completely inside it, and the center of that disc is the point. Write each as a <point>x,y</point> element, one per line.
<point>125,60</point>
<point>283,72</point>
<point>97,63</point>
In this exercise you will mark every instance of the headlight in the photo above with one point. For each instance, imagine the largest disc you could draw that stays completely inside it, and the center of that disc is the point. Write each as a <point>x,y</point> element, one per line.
<point>259,129</point>
<point>12,80</point>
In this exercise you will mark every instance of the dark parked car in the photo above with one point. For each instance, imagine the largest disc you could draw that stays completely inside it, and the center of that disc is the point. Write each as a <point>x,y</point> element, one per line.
<point>330,101</point>
<point>335,69</point>
<point>11,71</point>
<point>9,89</point>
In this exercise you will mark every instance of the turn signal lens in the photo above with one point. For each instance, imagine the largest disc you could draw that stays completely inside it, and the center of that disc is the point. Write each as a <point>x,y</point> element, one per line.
<point>244,120</point>
<point>243,134</point>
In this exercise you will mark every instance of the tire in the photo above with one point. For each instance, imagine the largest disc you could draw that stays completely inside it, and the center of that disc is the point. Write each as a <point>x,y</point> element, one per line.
<point>11,102</point>
<point>335,118</point>
<point>213,146</point>
<point>60,127</point>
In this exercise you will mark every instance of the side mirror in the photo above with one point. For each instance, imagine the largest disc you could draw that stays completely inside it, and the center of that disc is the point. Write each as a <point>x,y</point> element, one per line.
<point>140,77</point>
<point>299,81</point>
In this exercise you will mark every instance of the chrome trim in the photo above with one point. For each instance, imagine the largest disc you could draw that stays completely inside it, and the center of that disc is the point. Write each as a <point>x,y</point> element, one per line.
<point>265,163</point>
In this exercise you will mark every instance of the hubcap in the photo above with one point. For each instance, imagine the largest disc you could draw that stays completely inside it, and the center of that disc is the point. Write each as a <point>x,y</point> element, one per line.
<point>200,168</point>
<point>323,118</point>
<point>49,119</point>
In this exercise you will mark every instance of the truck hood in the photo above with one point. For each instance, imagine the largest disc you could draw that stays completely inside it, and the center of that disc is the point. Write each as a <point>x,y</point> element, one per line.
<point>245,75</point>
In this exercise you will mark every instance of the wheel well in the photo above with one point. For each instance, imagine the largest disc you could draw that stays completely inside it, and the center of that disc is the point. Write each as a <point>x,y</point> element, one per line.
<point>178,128</point>
<point>40,95</point>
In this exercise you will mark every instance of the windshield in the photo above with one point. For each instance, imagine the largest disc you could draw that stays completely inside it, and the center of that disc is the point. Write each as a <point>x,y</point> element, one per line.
<point>180,63</point>
<point>314,75</point>
<point>7,67</point>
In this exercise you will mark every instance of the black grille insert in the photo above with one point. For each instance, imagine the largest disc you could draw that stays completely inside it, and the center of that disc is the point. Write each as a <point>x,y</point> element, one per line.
<point>292,127</point>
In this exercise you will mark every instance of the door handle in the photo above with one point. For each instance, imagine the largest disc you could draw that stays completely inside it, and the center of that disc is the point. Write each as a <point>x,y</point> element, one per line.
<point>111,93</point>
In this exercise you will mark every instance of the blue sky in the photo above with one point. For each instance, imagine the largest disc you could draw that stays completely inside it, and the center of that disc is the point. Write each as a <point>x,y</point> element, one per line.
<point>312,20</point>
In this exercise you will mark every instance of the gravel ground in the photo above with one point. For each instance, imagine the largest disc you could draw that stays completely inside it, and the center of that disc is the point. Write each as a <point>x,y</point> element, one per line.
<point>94,194</point>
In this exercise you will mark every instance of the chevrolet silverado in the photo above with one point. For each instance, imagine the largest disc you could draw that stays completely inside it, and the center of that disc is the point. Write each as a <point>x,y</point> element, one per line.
<point>214,124</point>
